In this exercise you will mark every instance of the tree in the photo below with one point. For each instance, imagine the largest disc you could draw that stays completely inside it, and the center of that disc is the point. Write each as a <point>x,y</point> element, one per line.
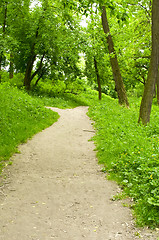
<point>146,103</point>
<point>114,61</point>
<point>33,52</point>
<point>98,78</point>
<point>95,51</point>
<point>3,27</point>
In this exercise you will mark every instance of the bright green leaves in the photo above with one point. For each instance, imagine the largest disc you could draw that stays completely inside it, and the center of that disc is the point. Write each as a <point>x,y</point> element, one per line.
<point>20,117</point>
<point>130,153</point>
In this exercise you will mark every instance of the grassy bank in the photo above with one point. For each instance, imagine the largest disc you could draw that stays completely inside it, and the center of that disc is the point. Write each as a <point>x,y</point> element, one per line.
<point>129,151</point>
<point>21,117</point>
<point>67,100</point>
<point>130,154</point>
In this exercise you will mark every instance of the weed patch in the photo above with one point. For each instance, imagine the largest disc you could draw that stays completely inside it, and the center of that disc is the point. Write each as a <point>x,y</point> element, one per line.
<point>130,153</point>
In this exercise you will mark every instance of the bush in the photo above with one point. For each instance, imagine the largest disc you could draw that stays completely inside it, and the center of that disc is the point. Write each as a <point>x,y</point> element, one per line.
<point>17,80</point>
<point>48,88</point>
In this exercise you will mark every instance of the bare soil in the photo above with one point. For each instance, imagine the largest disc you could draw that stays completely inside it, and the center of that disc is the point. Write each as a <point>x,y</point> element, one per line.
<point>55,189</point>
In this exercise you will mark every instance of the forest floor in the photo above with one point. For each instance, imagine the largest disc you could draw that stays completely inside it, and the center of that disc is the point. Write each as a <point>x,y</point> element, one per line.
<point>55,189</point>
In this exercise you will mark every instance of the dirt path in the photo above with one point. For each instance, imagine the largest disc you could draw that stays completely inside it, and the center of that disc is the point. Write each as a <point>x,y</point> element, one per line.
<point>56,189</point>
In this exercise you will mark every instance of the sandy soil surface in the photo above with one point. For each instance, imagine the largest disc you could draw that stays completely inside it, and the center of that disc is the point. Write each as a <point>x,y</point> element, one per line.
<point>55,189</point>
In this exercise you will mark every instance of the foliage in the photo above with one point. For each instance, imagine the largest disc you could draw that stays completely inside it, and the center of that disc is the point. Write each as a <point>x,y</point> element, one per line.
<point>20,118</point>
<point>67,100</point>
<point>47,41</point>
<point>130,154</point>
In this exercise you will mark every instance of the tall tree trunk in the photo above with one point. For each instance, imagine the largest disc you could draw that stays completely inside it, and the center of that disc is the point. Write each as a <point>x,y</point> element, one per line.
<point>114,62</point>
<point>146,103</point>
<point>11,68</point>
<point>28,74</point>
<point>30,64</point>
<point>98,79</point>
<point>4,31</point>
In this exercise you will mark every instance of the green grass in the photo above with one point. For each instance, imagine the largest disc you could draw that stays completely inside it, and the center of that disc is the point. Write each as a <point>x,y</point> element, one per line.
<point>130,154</point>
<point>21,116</point>
<point>129,151</point>
<point>67,100</point>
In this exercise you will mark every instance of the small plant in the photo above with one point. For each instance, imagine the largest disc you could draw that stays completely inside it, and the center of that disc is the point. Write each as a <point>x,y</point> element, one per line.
<point>130,154</point>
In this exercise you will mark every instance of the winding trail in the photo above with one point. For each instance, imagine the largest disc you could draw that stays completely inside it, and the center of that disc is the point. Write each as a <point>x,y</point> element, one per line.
<point>55,189</point>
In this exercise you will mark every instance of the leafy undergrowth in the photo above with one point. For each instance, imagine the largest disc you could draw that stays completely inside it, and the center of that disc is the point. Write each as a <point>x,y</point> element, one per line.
<point>21,117</point>
<point>67,100</point>
<point>129,151</point>
<point>130,154</point>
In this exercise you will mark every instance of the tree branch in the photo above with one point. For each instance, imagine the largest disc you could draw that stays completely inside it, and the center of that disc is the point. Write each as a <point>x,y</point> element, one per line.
<point>42,72</point>
<point>39,68</point>
<point>145,9</point>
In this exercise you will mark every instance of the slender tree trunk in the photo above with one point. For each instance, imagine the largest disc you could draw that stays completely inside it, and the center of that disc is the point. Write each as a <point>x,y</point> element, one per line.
<point>98,79</point>
<point>146,103</point>
<point>11,68</point>
<point>4,31</point>
<point>41,74</point>
<point>39,68</point>
<point>28,74</point>
<point>30,64</point>
<point>114,62</point>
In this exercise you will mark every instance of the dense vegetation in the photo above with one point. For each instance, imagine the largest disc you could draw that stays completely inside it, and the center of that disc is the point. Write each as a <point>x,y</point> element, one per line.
<point>130,155</point>
<point>20,117</point>
<point>49,58</point>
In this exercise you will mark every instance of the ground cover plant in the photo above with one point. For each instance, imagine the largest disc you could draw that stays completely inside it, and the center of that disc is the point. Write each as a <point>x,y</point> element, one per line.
<point>130,154</point>
<point>21,116</point>
<point>65,100</point>
<point>68,100</point>
<point>128,150</point>
<point>51,51</point>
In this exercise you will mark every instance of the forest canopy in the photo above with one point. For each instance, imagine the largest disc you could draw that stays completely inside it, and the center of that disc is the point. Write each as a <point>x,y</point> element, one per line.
<point>45,45</point>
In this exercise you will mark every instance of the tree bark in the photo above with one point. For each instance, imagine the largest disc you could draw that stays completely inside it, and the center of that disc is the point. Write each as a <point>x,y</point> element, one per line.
<point>39,68</point>
<point>146,103</point>
<point>114,62</point>
<point>27,78</point>
<point>28,74</point>
<point>98,79</point>
<point>11,68</point>
<point>40,76</point>
<point>3,35</point>
<point>30,63</point>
